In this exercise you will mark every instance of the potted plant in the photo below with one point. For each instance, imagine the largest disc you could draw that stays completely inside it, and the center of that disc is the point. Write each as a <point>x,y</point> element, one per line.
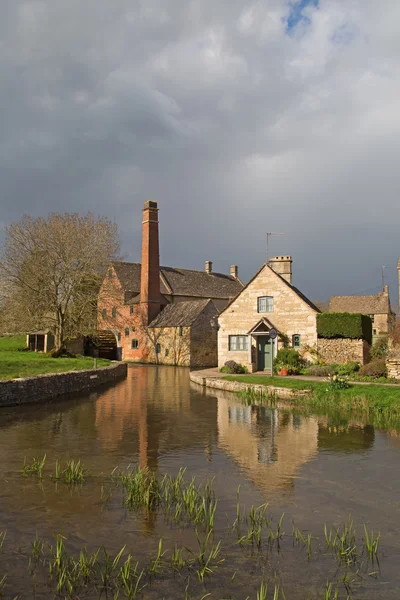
<point>283,371</point>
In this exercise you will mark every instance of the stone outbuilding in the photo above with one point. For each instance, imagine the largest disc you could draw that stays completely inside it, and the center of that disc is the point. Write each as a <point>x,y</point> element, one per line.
<point>185,334</point>
<point>377,306</point>
<point>133,295</point>
<point>266,315</point>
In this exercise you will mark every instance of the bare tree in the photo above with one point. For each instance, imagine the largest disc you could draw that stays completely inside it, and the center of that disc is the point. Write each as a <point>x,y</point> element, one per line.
<point>52,269</point>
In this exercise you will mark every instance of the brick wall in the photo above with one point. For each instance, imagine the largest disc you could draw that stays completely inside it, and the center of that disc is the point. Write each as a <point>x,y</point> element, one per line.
<point>341,351</point>
<point>47,387</point>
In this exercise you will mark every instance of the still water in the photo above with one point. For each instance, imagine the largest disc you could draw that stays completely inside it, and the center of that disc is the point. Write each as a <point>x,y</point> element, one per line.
<point>314,469</point>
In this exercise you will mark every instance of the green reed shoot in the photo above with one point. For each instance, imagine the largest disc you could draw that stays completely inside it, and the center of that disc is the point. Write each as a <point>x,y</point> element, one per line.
<point>3,584</point>
<point>36,468</point>
<point>3,535</point>
<point>156,564</point>
<point>73,472</point>
<point>329,593</point>
<point>371,544</point>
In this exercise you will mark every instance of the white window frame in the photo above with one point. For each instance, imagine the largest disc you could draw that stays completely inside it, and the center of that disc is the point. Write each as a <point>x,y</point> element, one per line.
<point>238,343</point>
<point>269,304</point>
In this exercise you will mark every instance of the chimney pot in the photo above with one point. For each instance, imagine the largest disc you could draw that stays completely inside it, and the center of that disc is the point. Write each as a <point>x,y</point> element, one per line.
<point>283,266</point>
<point>208,266</point>
<point>234,271</point>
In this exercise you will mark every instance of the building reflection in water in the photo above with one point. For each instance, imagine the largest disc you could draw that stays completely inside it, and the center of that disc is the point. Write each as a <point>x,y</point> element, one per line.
<point>269,444</point>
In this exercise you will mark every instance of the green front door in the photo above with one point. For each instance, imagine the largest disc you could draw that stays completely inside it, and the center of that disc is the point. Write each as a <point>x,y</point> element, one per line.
<point>264,353</point>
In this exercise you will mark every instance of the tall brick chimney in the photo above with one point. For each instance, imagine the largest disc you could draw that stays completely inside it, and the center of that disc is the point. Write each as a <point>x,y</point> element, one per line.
<point>150,294</point>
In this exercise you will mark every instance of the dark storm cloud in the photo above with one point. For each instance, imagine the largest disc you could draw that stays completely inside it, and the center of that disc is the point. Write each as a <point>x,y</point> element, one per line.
<point>236,123</point>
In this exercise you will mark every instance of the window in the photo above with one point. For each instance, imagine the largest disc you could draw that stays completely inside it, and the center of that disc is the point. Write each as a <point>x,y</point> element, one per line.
<point>166,351</point>
<point>181,331</point>
<point>158,349</point>
<point>296,342</point>
<point>119,336</point>
<point>109,274</point>
<point>238,342</point>
<point>114,312</point>
<point>135,344</point>
<point>265,304</point>
<point>372,317</point>
<point>104,313</point>
<point>127,332</point>
<point>131,309</point>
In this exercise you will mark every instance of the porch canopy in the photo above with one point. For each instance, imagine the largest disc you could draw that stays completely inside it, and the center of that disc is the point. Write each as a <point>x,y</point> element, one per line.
<point>263,327</point>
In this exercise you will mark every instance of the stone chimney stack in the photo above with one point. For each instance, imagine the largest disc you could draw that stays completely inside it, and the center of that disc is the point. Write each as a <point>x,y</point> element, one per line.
<point>208,266</point>
<point>234,271</point>
<point>386,289</point>
<point>150,294</point>
<point>283,266</point>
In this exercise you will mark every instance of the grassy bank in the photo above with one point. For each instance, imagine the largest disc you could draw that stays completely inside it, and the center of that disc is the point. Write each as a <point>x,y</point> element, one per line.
<point>377,402</point>
<point>16,362</point>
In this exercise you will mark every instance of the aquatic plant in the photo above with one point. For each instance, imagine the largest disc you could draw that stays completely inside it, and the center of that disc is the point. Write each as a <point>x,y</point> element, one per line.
<point>35,468</point>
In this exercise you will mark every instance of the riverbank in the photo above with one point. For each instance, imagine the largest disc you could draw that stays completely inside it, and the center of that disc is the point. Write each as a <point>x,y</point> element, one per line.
<point>378,401</point>
<point>43,388</point>
<point>17,362</point>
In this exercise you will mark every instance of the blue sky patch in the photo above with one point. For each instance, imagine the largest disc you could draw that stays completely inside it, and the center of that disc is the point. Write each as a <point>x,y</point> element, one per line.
<point>296,13</point>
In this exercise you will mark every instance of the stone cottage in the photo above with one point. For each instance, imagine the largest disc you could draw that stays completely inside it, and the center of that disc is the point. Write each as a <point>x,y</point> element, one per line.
<point>268,313</point>
<point>376,306</point>
<point>132,297</point>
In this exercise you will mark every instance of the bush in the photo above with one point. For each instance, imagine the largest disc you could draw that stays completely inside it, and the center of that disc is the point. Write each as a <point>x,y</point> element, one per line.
<point>344,325</point>
<point>233,368</point>
<point>379,349</point>
<point>375,369</point>
<point>319,371</point>
<point>348,368</point>
<point>289,358</point>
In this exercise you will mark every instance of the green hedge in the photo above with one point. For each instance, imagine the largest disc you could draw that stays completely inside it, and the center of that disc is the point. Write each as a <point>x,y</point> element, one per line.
<point>344,325</point>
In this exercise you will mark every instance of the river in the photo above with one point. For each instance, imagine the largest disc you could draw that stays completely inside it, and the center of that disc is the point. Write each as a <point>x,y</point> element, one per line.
<point>315,469</point>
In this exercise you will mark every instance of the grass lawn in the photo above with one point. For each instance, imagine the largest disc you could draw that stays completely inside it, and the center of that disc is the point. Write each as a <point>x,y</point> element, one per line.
<point>17,362</point>
<point>375,400</point>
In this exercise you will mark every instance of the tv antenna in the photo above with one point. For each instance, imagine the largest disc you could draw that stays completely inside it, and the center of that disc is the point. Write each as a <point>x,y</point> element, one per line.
<point>383,278</point>
<point>268,234</point>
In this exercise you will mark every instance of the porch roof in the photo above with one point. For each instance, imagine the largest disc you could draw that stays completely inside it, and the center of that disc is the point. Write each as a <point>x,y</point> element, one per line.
<point>263,326</point>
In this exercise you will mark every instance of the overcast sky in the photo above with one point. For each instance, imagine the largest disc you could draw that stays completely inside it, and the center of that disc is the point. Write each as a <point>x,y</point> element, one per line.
<point>237,117</point>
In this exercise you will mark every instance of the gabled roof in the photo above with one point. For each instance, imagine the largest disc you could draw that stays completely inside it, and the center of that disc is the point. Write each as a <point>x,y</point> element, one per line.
<point>181,314</point>
<point>292,287</point>
<point>180,282</point>
<point>367,305</point>
<point>263,325</point>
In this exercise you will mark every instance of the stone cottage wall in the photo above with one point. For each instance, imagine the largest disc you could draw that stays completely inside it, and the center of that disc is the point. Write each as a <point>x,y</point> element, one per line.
<point>204,340</point>
<point>340,351</point>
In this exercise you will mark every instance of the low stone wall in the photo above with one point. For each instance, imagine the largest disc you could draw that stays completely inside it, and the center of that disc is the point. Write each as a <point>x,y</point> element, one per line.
<point>43,388</point>
<point>393,367</point>
<point>236,386</point>
<point>340,351</point>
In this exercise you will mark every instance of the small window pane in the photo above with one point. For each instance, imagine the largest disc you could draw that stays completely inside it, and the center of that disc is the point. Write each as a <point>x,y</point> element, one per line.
<point>296,340</point>
<point>104,313</point>
<point>135,344</point>
<point>158,349</point>
<point>127,332</point>
<point>114,312</point>
<point>119,336</point>
<point>265,304</point>
<point>238,343</point>
<point>131,310</point>
<point>166,351</point>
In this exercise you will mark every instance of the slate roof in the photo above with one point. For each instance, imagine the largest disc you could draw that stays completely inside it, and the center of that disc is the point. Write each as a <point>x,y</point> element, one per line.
<point>367,305</point>
<point>181,314</point>
<point>179,282</point>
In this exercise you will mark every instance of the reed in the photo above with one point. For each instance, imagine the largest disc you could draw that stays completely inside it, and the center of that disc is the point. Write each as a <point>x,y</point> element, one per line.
<point>371,544</point>
<point>73,472</point>
<point>35,468</point>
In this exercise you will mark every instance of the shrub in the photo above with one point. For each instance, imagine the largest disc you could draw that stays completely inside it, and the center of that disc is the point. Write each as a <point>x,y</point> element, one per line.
<point>344,325</point>
<point>289,358</point>
<point>319,371</point>
<point>375,369</point>
<point>348,368</point>
<point>379,349</point>
<point>233,368</point>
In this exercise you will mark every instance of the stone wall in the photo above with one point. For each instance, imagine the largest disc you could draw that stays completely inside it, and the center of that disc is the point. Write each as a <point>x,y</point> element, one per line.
<point>204,342</point>
<point>393,367</point>
<point>340,351</point>
<point>47,387</point>
<point>236,386</point>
